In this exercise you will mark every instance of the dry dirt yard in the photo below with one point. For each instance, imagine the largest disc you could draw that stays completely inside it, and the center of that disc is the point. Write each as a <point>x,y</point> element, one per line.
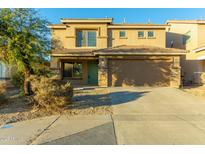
<point>90,101</point>
<point>85,101</point>
<point>195,90</point>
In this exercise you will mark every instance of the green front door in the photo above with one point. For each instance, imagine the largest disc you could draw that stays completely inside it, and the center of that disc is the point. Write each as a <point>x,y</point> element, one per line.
<point>93,72</point>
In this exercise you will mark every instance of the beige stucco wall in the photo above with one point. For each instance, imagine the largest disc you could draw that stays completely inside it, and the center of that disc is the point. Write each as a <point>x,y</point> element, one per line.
<point>176,31</point>
<point>131,38</point>
<point>201,35</point>
<point>196,55</point>
<point>108,37</point>
<point>67,36</point>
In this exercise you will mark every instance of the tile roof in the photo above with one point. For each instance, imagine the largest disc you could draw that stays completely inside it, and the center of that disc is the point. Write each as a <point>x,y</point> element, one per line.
<point>139,50</point>
<point>119,50</point>
<point>72,52</point>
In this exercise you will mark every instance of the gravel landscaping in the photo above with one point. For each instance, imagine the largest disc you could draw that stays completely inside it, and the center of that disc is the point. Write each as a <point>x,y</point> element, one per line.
<point>85,102</point>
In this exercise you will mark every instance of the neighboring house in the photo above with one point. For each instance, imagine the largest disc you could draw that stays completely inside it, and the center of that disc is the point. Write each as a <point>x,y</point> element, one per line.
<point>4,71</point>
<point>189,35</point>
<point>99,52</point>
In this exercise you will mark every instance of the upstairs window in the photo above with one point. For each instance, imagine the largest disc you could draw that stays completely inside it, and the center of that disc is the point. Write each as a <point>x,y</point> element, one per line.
<point>140,34</point>
<point>150,34</point>
<point>86,38</point>
<point>122,34</point>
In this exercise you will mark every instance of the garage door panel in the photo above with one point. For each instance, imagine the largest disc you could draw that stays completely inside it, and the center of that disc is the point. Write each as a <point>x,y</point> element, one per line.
<point>139,72</point>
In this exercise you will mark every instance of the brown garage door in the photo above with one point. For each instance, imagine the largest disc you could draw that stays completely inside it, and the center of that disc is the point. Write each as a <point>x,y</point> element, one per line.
<point>139,72</point>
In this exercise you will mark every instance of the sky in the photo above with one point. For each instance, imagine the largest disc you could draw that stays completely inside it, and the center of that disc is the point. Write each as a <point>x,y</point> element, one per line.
<point>138,15</point>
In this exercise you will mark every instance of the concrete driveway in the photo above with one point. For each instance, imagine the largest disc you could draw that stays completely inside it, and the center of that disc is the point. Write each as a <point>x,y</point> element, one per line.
<point>140,116</point>
<point>157,116</point>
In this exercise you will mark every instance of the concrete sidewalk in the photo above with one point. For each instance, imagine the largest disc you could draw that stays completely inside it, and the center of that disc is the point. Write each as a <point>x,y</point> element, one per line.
<point>60,130</point>
<point>24,132</point>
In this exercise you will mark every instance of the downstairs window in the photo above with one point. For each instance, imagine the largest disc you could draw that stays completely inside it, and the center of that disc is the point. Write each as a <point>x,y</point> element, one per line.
<point>72,69</point>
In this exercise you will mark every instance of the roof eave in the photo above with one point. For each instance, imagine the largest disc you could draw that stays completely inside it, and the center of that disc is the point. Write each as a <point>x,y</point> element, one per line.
<point>57,26</point>
<point>137,26</point>
<point>139,54</point>
<point>88,20</point>
<point>186,21</point>
<point>70,55</point>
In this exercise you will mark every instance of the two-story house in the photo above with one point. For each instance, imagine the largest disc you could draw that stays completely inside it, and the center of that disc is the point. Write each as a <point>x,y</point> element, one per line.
<point>99,52</point>
<point>189,35</point>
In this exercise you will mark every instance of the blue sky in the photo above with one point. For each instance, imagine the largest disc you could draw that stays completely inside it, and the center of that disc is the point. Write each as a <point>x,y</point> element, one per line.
<point>138,15</point>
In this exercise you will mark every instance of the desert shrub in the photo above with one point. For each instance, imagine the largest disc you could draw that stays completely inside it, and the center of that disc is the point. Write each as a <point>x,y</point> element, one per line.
<point>50,93</point>
<point>2,93</point>
<point>2,86</point>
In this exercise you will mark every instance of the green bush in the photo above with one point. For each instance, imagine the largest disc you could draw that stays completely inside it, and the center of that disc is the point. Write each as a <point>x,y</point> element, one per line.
<point>18,80</point>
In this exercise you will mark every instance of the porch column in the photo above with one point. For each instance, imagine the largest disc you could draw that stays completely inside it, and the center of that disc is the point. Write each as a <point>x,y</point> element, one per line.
<point>175,80</point>
<point>103,72</point>
<point>56,67</point>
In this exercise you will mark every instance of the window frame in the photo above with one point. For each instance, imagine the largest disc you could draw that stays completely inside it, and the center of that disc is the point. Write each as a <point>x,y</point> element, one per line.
<point>121,32</point>
<point>140,36</point>
<point>86,33</point>
<point>150,36</point>
<point>72,73</point>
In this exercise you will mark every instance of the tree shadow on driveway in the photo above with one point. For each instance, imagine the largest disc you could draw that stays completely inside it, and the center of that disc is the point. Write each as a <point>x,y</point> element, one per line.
<point>125,96</point>
<point>108,99</point>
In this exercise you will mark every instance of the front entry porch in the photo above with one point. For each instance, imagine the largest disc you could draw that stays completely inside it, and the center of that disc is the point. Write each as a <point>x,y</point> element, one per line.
<point>80,72</point>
